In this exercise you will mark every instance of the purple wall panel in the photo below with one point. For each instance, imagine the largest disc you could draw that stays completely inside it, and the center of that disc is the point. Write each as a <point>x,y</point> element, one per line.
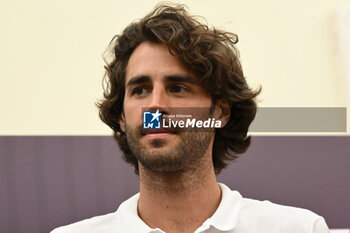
<point>307,172</point>
<point>48,181</point>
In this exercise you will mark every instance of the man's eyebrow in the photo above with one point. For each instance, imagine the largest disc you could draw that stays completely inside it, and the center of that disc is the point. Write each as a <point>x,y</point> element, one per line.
<point>138,80</point>
<point>181,79</point>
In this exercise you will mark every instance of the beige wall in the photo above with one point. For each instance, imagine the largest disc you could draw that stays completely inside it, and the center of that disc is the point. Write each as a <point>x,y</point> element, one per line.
<point>51,65</point>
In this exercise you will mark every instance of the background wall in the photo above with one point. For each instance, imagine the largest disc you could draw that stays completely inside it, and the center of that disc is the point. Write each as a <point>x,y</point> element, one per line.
<point>51,65</point>
<point>54,181</point>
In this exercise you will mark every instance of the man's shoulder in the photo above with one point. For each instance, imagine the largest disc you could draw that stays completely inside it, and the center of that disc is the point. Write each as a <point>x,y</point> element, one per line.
<point>111,222</point>
<point>270,209</point>
<point>286,218</point>
<point>100,223</point>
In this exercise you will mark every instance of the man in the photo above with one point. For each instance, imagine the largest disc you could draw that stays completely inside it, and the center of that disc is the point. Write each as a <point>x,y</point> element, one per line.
<point>165,62</point>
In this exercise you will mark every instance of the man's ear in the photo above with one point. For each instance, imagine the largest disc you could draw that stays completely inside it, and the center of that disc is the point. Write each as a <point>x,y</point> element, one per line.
<point>122,121</point>
<point>222,111</point>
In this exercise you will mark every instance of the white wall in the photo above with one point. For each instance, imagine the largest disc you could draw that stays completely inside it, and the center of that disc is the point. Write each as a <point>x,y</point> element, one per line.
<point>51,65</point>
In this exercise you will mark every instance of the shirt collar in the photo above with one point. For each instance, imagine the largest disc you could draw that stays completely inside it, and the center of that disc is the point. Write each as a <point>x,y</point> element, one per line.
<point>128,219</point>
<point>225,218</point>
<point>227,215</point>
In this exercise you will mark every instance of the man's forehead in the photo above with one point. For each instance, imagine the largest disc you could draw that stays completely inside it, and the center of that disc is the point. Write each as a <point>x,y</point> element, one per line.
<point>155,61</point>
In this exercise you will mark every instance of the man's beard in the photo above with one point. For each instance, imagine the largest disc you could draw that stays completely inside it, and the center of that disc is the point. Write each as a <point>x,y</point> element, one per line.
<point>185,155</point>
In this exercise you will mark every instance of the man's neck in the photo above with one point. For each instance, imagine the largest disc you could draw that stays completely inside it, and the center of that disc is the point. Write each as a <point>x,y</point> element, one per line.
<point>179,201</point>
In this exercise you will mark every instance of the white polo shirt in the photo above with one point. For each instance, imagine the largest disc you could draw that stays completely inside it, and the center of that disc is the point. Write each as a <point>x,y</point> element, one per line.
<point>235,214</point>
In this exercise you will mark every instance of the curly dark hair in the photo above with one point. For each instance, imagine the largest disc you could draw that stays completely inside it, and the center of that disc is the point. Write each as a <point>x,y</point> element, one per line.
<point>209,53</point>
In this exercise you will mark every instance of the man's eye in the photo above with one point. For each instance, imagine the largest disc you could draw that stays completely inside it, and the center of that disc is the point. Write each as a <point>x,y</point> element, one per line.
<point>178,89</point>
<point>139,91</point>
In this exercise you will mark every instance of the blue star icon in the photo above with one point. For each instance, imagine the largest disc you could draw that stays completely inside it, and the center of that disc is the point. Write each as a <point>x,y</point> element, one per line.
<point>156,115</point>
